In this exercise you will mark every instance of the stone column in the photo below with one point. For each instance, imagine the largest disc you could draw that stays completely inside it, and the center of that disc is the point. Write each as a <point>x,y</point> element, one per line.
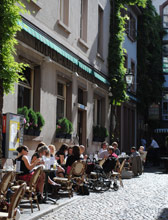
<point>48,100</point>
<point>89,118</point>
<point>74,107</point>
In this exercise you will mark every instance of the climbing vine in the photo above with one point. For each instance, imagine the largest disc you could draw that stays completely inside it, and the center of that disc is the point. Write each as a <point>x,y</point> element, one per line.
<point>150,77</point>
<point>116,60</point>
<point>116,51</point>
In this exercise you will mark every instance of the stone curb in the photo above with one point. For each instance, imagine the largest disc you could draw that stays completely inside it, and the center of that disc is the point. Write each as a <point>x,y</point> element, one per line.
<point>52,209</point>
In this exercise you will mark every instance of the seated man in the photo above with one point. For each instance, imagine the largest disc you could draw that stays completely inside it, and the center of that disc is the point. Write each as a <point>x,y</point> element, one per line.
<point>135,161</point>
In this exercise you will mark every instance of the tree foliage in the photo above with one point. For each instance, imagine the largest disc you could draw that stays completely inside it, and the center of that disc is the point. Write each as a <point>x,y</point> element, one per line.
<point>150,77</point>
<point>116,51</point>
<point>9,68</point>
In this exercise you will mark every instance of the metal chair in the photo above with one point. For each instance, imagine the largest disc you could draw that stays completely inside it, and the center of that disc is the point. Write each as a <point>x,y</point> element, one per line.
<point>15,200</point>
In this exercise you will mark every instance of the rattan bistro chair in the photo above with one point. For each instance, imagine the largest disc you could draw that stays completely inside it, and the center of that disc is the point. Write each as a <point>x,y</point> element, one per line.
<point>78,173</point>
<point>5,184</point>
<point>31,192</point>
<point>15,200</point>
<point>65,184</point>
<point>75,177</point>
<point>117,175</point>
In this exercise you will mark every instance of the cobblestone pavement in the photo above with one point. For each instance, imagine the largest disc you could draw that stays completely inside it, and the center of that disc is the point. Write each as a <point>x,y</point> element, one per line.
<point>144,197</point>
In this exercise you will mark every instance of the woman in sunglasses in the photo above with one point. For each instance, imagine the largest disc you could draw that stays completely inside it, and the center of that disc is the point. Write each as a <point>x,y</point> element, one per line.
<point>26,167</point>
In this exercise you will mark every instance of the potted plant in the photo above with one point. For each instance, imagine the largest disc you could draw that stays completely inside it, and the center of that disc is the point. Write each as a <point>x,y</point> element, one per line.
<point>64,128</point>
<point>100,133</point>
<point>40,123</point>
<point>25,111</point>
<point>32,121</point>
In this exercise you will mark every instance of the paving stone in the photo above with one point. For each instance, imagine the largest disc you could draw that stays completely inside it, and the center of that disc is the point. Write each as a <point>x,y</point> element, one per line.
<point>142,198</point>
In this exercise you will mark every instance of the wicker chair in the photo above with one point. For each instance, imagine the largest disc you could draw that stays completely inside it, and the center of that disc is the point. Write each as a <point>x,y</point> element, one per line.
<point>78,173</point>
<point>65,184</point>
<point>118,174</point>
<point>5,184</point>
<point>31,192</point>
<point>76,176</point>
<point>15,200</point>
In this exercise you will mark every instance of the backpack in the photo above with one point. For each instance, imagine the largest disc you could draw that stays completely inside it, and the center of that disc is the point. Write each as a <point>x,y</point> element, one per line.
<point>83,190</point>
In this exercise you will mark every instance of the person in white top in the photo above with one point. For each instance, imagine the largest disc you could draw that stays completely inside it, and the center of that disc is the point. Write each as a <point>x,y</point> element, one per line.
<point>103,152</point>
<point>156,152</point>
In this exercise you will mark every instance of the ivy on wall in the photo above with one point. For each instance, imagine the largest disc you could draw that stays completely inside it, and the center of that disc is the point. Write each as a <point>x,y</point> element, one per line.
<point>150,77</point>
<point>116,51</point>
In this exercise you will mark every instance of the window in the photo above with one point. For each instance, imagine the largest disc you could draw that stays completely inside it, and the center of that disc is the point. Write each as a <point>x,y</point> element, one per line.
<point>165,17</point>
<point>61,100</point>
<point>64,12</point>
<point>133,72</point>
<point>130,25</point>
<point>83,20</point>
<point>100,32</point>
<point>126,61</point>
<point>97,112</point>
<point>25,89</point>
<point>80,96</point>
<point>132,32</point>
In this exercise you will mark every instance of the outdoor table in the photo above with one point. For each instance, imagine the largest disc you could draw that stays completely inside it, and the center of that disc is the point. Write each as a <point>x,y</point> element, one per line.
<point>47,173</point>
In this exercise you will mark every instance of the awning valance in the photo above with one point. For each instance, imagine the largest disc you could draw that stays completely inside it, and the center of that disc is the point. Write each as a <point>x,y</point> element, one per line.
<point>44,39</point>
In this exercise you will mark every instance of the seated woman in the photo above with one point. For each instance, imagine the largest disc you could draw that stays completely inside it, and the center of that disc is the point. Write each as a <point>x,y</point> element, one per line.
<point>72,158</point>
<point>27,168</point>
<point>60,170</point>
<point>61,154</point>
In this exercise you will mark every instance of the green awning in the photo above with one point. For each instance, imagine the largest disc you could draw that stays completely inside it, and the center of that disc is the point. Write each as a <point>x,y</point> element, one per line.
<point>46,41</point>
<point>101,78</point>
<point>61,51</point>
<point>84,67</point>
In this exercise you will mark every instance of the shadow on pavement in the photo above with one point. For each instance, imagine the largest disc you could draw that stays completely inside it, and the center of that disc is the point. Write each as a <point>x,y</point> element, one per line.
<point>163,215</point>
<point>157,170</point>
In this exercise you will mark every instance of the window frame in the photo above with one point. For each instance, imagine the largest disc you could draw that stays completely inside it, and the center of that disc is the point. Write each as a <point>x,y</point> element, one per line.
<point>63,5</point>
<point>83,20</point>
<point>100,31</point>
<point>63,98</point>
<point>31,87</point>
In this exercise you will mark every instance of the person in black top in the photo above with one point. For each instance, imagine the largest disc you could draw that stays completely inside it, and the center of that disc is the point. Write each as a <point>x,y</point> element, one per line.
<point>72,158</point>
<point>61,153</point>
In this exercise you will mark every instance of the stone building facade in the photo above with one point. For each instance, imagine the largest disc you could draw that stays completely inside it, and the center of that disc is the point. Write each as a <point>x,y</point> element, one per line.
<point>65,44</point>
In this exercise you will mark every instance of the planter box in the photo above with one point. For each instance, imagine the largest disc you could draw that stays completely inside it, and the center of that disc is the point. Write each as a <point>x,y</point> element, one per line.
<point>63,136</point>
<point>32,132</point>
<point>98,139</point>
<point>60,135</point>
<point>37,132</point>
